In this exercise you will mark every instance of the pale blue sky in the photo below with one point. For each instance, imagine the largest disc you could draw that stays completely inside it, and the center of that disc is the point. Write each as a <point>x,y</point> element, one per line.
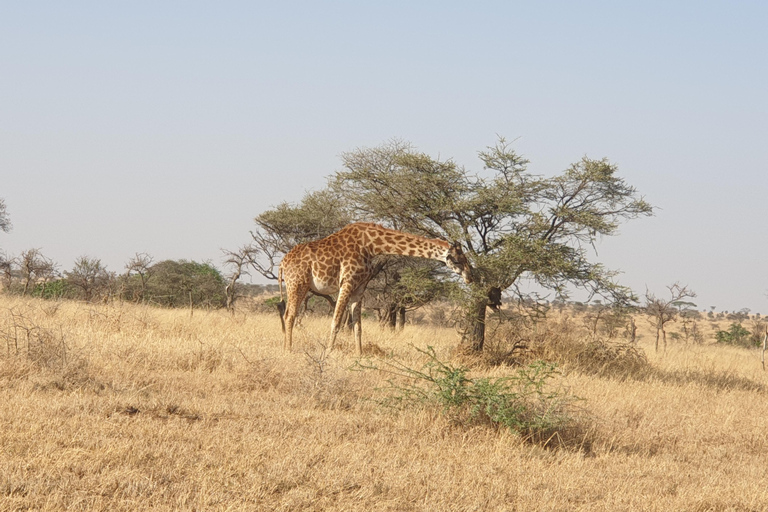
<point>166,127</point>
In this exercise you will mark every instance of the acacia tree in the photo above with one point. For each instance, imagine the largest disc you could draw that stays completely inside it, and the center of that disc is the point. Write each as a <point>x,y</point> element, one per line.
<point>141,266</point>
<point>6,269</point>
<point>35,268</point>
<point>238,261</point>
<point>662,311</point>
<point>512,224</point>
<point>89,276</point>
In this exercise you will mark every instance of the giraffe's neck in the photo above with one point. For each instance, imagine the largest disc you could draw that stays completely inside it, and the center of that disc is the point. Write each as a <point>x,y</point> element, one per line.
<point>387,241</point>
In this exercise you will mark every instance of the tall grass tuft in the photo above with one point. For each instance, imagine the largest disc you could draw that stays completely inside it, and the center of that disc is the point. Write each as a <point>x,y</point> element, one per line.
<point>568,345</point>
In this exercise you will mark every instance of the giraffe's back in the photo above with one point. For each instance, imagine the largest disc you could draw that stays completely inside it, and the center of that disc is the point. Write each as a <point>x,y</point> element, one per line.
<point>323,263</point>
<point>312,263</point>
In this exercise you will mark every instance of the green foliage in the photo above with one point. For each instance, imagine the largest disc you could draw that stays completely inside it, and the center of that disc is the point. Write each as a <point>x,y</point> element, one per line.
<point>522,402</point>
<point>419,284</point>
<point>174,283</point>
<point>736,335</point>
<point>272,302</point>
<point>57,289</point>
<point>408,283</point>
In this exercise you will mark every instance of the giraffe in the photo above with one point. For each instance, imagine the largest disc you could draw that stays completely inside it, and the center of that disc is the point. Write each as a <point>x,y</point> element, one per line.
<point>344,262</point>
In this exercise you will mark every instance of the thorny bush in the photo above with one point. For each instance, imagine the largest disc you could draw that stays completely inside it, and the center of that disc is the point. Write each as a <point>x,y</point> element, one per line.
<point>524,402</point>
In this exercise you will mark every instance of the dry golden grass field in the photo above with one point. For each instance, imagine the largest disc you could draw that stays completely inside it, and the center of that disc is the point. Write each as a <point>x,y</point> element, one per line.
<point>126,407</point>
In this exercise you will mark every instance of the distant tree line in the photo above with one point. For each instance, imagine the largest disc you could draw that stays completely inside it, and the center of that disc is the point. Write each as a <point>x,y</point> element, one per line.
<point>169,283</point>
<point>181,283</point>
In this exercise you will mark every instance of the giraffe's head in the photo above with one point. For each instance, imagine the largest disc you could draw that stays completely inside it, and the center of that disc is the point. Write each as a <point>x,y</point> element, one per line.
<point>457,261</point>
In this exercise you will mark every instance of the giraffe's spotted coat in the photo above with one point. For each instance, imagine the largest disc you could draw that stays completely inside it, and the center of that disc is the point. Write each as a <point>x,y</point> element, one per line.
<point>344,262</point>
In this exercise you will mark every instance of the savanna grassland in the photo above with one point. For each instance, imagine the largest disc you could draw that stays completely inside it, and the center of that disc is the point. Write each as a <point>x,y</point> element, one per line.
<point>128,407</point>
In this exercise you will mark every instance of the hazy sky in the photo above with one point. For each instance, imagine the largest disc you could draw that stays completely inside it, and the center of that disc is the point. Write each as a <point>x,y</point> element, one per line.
<point>165,127</point>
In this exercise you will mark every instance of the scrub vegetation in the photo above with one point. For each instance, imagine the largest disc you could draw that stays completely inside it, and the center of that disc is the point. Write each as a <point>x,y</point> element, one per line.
<point>126,406</point>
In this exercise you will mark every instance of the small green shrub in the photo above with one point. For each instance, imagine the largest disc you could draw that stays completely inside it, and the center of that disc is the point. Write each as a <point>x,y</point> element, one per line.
<point>57,289</point>
<point>272,302</point>
<point>735,335</point>
<point>522,402</point>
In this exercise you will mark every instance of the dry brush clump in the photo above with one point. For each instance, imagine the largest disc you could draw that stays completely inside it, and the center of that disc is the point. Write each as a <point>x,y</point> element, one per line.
<point>36,347</point>
<point>567,343</point>
<point>318,378</point>
<point>564,342</point>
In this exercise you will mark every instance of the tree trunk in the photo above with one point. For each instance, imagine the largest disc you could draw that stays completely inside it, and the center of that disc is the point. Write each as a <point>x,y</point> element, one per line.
<point>331,304</point>
<point>474,336</point>
<point>388,317</point>
<point>401,318</point>
<point>230,294</point>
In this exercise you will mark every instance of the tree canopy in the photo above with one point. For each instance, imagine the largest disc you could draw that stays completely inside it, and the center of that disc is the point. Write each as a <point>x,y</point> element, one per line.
<point>512,224</point>
<point>173,283</point>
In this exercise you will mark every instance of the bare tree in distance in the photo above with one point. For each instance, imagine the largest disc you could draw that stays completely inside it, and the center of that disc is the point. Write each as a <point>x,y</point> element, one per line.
<point>47,271</point>
<point>266,244</point>
<point>6,269</point>
<point>238,261</point>
<point>662,311</point>
<point>35,267</point>
<point>90,276</point>
<point>5,221</point>
<point>140,265</point>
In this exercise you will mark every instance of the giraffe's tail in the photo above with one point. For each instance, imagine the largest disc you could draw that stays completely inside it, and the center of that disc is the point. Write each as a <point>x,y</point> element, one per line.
<point>281,304</point>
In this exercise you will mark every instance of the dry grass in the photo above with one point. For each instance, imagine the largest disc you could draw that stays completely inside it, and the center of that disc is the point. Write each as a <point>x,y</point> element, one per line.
<point>121,407</point>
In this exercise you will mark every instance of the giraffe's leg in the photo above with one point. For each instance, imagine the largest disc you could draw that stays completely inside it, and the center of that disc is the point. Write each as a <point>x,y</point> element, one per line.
<point>338,314</point>
<point>292,304</point>
<point>281,310</point>
<point>355,310</point>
